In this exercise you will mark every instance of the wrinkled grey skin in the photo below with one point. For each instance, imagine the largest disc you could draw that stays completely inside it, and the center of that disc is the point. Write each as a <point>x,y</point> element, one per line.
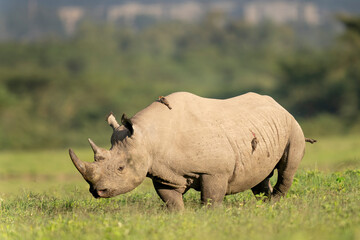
<point>201,143</point>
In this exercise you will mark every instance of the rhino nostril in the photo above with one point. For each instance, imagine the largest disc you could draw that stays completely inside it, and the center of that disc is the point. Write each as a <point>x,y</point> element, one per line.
<point>102,192</point>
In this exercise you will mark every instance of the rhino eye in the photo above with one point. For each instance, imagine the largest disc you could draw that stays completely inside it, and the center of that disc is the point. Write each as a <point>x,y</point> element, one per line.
<point>99,158</point>
<point>121,168</point>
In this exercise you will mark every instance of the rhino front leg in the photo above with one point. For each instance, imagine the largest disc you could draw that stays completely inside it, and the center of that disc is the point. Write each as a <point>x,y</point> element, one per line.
<point>213,189</point>
<point>171,196</point>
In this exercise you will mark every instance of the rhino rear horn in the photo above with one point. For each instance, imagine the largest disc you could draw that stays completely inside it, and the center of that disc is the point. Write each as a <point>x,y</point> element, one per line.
<point>93,146</point>
<point>127,123</point>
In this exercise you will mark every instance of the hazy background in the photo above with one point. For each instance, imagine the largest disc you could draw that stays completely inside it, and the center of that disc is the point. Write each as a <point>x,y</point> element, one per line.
<point>64,65</point>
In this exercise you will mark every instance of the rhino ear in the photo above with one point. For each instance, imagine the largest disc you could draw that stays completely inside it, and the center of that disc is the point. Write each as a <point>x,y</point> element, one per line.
<point>127,123</point>
<point>112,121</point>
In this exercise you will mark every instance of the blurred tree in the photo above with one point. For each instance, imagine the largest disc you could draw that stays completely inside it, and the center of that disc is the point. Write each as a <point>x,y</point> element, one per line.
<point>347,67</point>
<point>55,92</point>
<point>325,81</point>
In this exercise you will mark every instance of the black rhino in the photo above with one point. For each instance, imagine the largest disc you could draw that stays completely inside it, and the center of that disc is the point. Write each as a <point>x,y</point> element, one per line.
<point>218,147</point>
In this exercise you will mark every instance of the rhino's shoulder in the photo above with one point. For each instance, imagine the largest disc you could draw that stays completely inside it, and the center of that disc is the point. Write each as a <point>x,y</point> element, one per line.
<point>247,100</point>
<point>182,95</point>
<point>245,96</point>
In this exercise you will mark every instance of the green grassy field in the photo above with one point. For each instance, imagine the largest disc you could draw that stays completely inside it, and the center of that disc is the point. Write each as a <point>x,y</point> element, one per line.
<point>42,196</point>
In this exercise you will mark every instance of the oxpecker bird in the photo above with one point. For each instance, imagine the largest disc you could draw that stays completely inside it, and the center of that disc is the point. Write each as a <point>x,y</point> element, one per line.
<point>164,101</point>
<point>254,142</point>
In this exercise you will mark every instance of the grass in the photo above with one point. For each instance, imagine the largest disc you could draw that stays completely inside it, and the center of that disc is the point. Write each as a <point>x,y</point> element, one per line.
<point>333,154</point>
<point>43,197</point>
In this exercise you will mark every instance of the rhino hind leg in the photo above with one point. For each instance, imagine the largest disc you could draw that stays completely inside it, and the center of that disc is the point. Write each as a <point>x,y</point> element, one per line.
<point>263,189</point>
<point>171,196</point>
<point>213,189</point>
<point>288,165</point>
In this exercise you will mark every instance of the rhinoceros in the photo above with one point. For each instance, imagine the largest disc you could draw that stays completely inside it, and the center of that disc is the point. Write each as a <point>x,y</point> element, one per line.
<point>217,147</point>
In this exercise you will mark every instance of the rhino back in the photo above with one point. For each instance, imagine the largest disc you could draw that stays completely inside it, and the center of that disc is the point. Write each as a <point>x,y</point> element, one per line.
<point>210,136</point>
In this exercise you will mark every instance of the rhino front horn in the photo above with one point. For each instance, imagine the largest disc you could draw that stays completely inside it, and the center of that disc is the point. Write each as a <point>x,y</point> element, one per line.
<point>93,146</point>
<point>80,165</point>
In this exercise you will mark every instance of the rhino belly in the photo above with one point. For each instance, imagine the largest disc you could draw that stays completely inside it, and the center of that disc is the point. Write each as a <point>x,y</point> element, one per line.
<point>247,176</point>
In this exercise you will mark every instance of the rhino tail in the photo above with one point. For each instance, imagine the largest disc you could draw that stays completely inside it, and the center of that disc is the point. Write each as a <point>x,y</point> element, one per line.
<point>310,140</point>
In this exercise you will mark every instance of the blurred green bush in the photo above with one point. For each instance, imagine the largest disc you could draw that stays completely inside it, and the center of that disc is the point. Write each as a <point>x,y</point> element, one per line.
<point>56,92</point>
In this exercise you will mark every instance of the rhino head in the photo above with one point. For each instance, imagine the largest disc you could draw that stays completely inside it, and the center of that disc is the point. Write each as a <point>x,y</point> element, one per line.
<point>114,171</point>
